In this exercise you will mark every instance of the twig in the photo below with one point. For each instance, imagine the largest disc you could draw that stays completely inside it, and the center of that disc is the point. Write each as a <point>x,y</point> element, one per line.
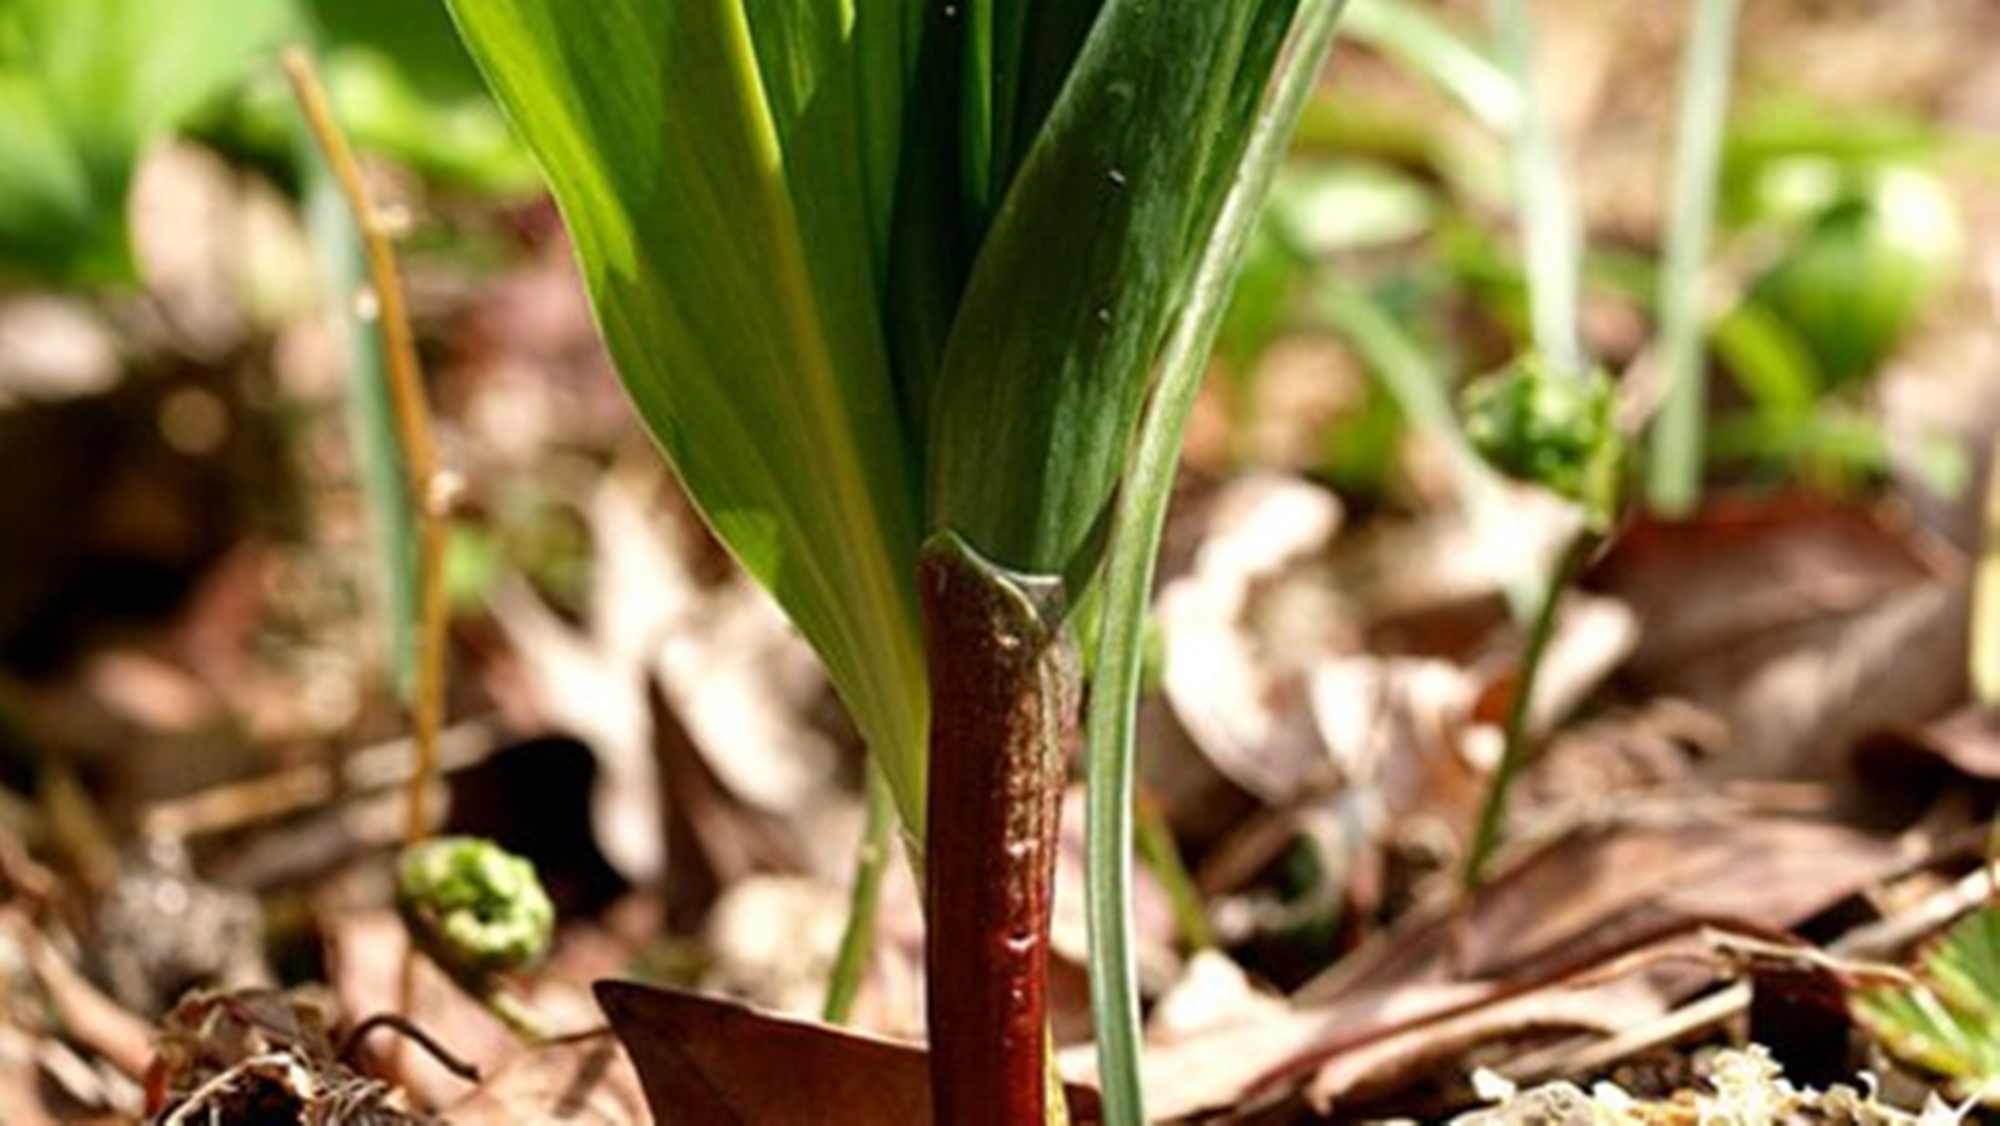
<point>1881,939</point>
<point>430,488</point>
<point>235,806</point>
<point>409,1031</point>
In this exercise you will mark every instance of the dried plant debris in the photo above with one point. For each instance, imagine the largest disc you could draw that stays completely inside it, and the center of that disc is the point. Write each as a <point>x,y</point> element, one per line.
<point>1746,1088</point>
<point>257,1057</point>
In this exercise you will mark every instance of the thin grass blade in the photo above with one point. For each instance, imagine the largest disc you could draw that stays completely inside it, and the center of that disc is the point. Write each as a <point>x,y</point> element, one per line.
<point>1134,547</point>
<point>1675,463</point>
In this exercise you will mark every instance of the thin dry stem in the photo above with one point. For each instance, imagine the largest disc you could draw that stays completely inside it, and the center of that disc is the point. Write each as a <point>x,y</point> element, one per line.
<point>429,486</point>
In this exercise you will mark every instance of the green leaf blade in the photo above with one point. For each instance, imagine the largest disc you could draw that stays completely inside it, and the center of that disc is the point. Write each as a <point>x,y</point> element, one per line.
<point>1047,365</point>
<point>714,217</point>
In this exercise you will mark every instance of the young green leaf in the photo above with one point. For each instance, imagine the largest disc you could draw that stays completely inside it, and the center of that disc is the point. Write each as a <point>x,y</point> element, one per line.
<point>1066,307</point>
<point>1553,429</point>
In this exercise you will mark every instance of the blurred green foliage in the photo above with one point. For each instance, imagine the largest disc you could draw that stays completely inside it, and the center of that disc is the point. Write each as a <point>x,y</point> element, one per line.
<point>1845,234</point>
<point>87,87</point>
<point>1838,234</point>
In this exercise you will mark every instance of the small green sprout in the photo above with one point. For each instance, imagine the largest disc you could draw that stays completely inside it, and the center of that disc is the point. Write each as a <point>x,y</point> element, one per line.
<point>1551,429</point>
<point>473,908</point>
<point>1947,1019</point>
<point>1557,430</point>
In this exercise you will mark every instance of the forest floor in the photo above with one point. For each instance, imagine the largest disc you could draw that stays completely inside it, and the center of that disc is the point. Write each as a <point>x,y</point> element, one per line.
<point>1761,791</point>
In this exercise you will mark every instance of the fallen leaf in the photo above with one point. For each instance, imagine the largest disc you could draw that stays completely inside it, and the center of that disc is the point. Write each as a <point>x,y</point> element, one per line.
<point>1803,624</point>
<point>706,1062</point>
<point>1601,1009</point>
<point>1965,743</point>
<point>1604,885</point>
<point>53,348</point>
<point>1239,694</point>
<point>773,940</point>
<point>365,966</point>
<point>709,1062</point>
<point>734,673</point>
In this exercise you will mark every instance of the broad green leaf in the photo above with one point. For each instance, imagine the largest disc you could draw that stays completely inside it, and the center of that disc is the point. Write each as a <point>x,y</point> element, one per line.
<point>722,166</point>
<point>1048,358</point>
<point>85,87</point>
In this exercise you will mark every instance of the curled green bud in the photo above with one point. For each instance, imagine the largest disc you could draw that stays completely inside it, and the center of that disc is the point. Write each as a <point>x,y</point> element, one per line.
<point>1550,429</point>
<point>473,907</point>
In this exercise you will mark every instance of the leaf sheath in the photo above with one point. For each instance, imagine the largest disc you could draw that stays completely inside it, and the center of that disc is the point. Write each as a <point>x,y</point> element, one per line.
<point>1005,690</point>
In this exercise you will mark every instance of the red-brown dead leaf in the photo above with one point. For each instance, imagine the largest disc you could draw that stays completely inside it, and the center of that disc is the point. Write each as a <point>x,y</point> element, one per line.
<point>709,1062</point>
<point>1745,568</point>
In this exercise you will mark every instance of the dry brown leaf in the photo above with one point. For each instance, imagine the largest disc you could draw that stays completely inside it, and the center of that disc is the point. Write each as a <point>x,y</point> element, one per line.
<point>1743,569</point>
<point>21,1080</point>
<point>773,940</point>
<point>53,348</point>
<point>78,1008</point>
<point>1593,637</point>
<point>1966,743</point>
<point>734,672</point>
<point>1376,1043</point>
<point>1239,694</point>
<point>1603,887</point>
<point>1380,1066</point>
<point>1220,1066</point>
<point>1802,624</point>
<point>714,838</point>
<point>365,956</point>
<point>1405,577</point>
<point>706,1062</point>
<point>1397,727</point>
